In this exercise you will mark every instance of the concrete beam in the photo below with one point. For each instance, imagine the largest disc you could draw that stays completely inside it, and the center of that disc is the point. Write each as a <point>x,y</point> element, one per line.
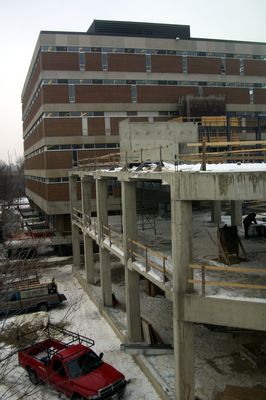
<point>221,186</point>
<point>234,313</point>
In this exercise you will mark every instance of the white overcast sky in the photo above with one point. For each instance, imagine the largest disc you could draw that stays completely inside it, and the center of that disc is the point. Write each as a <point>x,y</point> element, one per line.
<point>22,20</point>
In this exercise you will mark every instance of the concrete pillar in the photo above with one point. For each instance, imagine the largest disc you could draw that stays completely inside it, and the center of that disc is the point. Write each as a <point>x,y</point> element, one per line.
<point>73,194</point>
<point>105,263</point>
<point>216,212</point>
<point>86,183</point>
<point>73,197</point>
<point>76,245</point>
<point>132,281</point>
<point>236,213</point>
<point>181,227</point>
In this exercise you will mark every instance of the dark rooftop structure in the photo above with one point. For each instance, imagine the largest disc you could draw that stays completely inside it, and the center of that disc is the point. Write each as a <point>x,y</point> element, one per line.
<point>139,29</point>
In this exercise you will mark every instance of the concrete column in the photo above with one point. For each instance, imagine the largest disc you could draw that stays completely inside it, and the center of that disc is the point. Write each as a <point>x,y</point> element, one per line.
<point>216,212</point>
<point>181,227</point>
<point>105,263</point>
<point>86,183</point>
<point>76,245</point>
<point>236,213</point>
<point>73,196</point>
<point>132,281</point>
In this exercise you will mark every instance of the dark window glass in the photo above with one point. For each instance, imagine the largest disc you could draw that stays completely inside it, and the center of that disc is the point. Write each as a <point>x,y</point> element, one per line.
<point>62,81</point>
<point>129,50</point>
<point>171,52</point>
<point>64,114</point>
<point>61,48</point>
<point>96,49</point>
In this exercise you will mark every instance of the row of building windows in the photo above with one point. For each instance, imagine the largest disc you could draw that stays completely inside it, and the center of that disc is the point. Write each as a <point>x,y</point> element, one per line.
<point>134,83</point>
<point>71,147</point>
<point>48,180</point>
<point>148,52</point>
<point>122,50</point>
<point>147,82</point>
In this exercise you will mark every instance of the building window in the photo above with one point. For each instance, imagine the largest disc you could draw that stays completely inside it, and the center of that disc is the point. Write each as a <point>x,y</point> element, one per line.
<point>104,61</point>
<point>74,158</point>
<point>200,90</point>
<point>251,96</point>
<point>241,66</point>
<point>134,93</point>
<point>223,66</point>
<point>184,64</point>
<point>148,63</point>
<point>82,61</point>
<point>71,93</point>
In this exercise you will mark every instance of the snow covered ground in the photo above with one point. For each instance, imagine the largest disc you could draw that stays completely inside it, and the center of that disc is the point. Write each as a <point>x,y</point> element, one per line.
<point>83,317</point>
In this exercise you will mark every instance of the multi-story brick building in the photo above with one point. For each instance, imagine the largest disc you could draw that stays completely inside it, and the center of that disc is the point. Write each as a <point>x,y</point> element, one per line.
<point>80,85</point>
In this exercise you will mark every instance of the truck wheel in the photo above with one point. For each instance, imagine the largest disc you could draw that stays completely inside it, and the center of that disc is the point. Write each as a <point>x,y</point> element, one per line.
<point>77,396</point>
<point>33,377</point>
<point>43,307</point>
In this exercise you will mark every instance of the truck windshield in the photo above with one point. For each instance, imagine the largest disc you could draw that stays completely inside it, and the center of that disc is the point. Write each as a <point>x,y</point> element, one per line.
<point>83,364</point>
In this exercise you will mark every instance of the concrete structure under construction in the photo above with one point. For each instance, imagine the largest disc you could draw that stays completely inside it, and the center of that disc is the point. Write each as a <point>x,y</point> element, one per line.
<point>173,274</point>
<point>80,85</point>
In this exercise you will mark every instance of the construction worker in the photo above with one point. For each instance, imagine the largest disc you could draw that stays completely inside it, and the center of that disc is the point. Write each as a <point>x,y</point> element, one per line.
<point>247,221</point>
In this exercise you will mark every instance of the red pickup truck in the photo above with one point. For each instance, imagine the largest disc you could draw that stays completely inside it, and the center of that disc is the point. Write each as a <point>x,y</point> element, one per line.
<point>73,368</point>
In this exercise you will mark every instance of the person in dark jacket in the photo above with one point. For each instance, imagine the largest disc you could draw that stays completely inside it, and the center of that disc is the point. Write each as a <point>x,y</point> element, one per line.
<point>247,221</point>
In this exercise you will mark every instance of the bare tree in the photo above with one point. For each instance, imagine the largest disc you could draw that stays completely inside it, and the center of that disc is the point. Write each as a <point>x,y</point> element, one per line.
<point>11,187</point>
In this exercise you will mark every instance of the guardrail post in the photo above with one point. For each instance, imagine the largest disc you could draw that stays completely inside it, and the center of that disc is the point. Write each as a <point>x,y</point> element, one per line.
<point>203,287</point>
<point>203,165</point>
<point>163,269</point>
<point>146,258</point>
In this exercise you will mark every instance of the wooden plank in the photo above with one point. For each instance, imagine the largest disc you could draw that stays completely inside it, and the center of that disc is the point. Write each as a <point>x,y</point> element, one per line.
<point>231,143</point>
<point>228,284</point>
<point>228,269</point>
<point>243,393</point>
